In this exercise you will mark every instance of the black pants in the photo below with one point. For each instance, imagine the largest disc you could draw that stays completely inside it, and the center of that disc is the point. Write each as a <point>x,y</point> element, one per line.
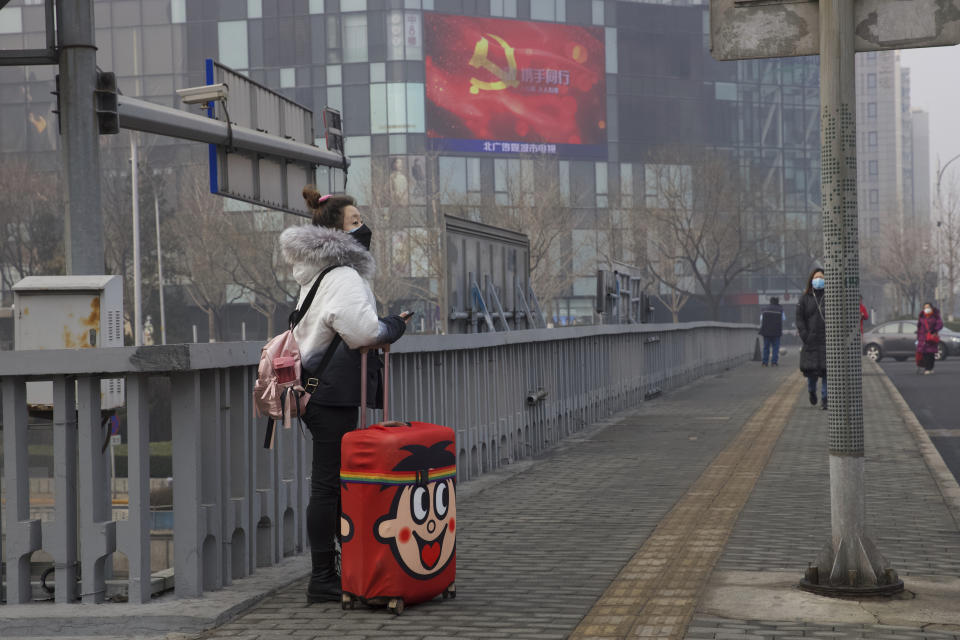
<point>327,426</point>
<point>927,360</point>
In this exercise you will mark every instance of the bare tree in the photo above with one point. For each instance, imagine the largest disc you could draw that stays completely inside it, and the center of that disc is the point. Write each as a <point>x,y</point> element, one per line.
<point>947,238</point>
<point>409,228</point>
<point>31,221</point>
<point>671,287</point>
<point>803,247</point>
<point>407,220</point>
<point>903,259</point>
<point>255,267</point>
<point>536,203</point>
<point>705,232</point>
<point>200,225</point>
<point>117,206</point>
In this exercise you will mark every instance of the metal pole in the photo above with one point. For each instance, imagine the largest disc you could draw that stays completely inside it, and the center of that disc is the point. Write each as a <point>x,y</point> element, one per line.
<point>850,562</point>
<point>163,313</point>
<point>940,172</point>
<point>80,145</point>
<point>135,197</point>
<point>937,288</point>
<point>113,472</point>
<point>951,230</point>
<point>149,117</point>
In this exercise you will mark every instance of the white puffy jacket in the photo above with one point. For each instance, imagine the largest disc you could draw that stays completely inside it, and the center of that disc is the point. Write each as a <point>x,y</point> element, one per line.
<point>344,302</point>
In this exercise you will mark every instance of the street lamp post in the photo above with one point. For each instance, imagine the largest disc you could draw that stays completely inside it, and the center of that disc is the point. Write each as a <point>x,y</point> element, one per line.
<point>951,231</point>
<point>135,199</point>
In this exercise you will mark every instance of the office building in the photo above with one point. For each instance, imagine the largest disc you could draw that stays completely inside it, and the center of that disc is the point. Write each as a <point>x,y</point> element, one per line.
<point>605,84</point>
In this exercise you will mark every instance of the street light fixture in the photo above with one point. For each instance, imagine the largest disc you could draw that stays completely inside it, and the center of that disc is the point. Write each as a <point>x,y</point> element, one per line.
<point>938,293</point>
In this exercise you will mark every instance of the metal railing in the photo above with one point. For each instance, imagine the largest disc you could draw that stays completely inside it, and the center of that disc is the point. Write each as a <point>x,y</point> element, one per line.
<point>238,506</point>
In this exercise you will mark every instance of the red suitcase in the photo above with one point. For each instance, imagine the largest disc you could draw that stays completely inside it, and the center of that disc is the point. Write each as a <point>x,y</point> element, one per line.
<point>398,512</point>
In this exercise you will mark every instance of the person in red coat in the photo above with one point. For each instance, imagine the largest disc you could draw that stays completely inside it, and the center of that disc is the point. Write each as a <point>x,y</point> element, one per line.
<point>864,315</point>
<point>928,337</point>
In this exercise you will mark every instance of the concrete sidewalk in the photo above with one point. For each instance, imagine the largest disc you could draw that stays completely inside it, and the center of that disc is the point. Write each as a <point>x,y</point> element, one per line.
<point>913,512</point>
<point>692,516</point>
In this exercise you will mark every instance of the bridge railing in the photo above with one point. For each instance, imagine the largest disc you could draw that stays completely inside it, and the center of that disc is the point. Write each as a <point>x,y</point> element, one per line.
<point>238,506</point>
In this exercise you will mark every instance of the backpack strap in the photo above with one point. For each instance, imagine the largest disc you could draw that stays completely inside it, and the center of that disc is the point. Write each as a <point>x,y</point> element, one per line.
<point>298,314</point>
<point>314,380</point>
<point>268,440</point>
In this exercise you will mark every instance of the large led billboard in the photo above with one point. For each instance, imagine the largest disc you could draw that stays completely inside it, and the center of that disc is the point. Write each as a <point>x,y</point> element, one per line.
<point>507,86</point>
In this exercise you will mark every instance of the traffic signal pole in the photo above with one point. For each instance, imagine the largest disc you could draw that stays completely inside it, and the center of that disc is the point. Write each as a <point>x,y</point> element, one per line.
<point>850,563</point>
<point>80,138</point>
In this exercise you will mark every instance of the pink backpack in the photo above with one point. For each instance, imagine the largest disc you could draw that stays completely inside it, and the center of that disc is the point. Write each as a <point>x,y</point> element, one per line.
<point>278,391</point>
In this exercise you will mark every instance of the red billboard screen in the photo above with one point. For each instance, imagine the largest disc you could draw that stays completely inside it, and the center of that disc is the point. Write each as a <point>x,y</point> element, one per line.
<point>506,86</point>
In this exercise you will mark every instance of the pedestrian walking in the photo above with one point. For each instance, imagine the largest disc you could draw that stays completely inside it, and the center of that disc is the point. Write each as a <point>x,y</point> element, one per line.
<point>771,328</point>
<point>812,327</point>
<point>928,337</point>
<point>342,317</point>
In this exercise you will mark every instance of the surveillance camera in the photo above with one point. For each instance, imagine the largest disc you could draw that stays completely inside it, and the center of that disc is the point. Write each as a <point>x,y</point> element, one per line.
<point>204,94</point>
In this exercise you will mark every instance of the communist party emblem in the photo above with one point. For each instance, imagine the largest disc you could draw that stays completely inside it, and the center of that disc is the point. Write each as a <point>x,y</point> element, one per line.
<point>480,60</point>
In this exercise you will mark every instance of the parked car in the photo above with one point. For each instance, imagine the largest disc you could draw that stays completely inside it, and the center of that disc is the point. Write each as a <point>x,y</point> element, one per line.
<point>898,340</point>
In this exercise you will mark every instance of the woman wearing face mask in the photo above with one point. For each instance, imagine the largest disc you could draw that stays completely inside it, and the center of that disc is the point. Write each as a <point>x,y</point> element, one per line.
<point>344,305</point>
<point>928,337</point>
<point>812,327</point>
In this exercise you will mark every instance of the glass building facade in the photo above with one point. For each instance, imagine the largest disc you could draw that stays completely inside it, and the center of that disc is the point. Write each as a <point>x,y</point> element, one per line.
<point>369,59</point>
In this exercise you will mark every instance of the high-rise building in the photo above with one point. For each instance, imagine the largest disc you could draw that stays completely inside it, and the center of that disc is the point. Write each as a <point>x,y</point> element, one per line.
<point>921,176</point>
<point>614,81</point>
<point>893,169</point>
<point>893,145</point>
<point>880,144</point>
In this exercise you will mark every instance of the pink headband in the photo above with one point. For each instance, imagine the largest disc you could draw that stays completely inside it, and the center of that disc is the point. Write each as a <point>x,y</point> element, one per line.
<point>324,198</point>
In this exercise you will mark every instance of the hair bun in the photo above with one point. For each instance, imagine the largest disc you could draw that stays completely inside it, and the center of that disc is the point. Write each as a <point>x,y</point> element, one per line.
<point>312,196</point>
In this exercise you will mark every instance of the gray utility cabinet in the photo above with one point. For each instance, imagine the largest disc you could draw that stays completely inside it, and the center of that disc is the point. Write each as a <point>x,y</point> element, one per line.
<point>69,312</point>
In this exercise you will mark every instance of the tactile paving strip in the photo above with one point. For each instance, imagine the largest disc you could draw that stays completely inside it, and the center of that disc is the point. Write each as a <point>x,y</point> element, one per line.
<point>655,594</point>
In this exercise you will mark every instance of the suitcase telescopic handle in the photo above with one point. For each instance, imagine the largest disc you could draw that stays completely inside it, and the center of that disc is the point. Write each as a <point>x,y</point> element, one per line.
<point>363,383</point>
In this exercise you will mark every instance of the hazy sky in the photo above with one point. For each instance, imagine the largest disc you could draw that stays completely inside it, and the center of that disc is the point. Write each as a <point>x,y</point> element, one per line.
<point>934,88</point>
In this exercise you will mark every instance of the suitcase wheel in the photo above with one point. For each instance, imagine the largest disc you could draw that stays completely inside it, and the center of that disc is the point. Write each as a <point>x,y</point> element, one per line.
<point>450,592</point>
<point>395,606</point>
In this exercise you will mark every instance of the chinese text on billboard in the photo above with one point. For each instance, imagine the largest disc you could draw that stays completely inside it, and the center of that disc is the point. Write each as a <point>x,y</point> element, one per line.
<point>505,86</point>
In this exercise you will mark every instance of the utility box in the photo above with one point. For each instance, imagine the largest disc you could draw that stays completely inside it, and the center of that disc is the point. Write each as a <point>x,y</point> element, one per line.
<point>69,312</point>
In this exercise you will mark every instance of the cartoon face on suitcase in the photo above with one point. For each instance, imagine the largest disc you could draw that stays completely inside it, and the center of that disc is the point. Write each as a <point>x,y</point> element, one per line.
<point>421,527</point>
<point>399,511</point>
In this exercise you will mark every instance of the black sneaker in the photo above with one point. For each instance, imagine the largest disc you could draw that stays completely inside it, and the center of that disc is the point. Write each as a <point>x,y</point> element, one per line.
<point>813,398</point>
<point>774,364</point>
<point>823,405</point>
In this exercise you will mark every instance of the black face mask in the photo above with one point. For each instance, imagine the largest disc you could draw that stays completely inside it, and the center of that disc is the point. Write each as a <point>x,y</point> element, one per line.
<point>362,234</point>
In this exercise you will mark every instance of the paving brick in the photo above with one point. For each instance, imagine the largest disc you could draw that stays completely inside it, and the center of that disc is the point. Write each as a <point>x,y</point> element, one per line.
<point>537,550</point>
<point>906,514</point>
<point>790,631</point>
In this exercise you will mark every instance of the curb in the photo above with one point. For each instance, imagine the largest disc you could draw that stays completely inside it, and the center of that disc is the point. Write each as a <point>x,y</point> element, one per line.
<point>946,483</point>
<point>164,616</point>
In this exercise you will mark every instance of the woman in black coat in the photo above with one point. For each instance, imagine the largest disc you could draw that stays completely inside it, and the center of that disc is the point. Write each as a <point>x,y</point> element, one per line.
<point>812,327</point>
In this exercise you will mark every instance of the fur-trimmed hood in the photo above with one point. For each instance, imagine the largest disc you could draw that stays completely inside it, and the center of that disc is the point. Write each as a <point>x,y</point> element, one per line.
<point>311,249</point>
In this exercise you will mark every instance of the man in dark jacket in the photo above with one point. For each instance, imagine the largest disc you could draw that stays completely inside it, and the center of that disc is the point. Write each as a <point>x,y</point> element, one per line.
<point>771,328</point>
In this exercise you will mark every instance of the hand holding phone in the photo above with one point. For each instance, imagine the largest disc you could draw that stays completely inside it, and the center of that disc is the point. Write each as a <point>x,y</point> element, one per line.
<point>406,315</point>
